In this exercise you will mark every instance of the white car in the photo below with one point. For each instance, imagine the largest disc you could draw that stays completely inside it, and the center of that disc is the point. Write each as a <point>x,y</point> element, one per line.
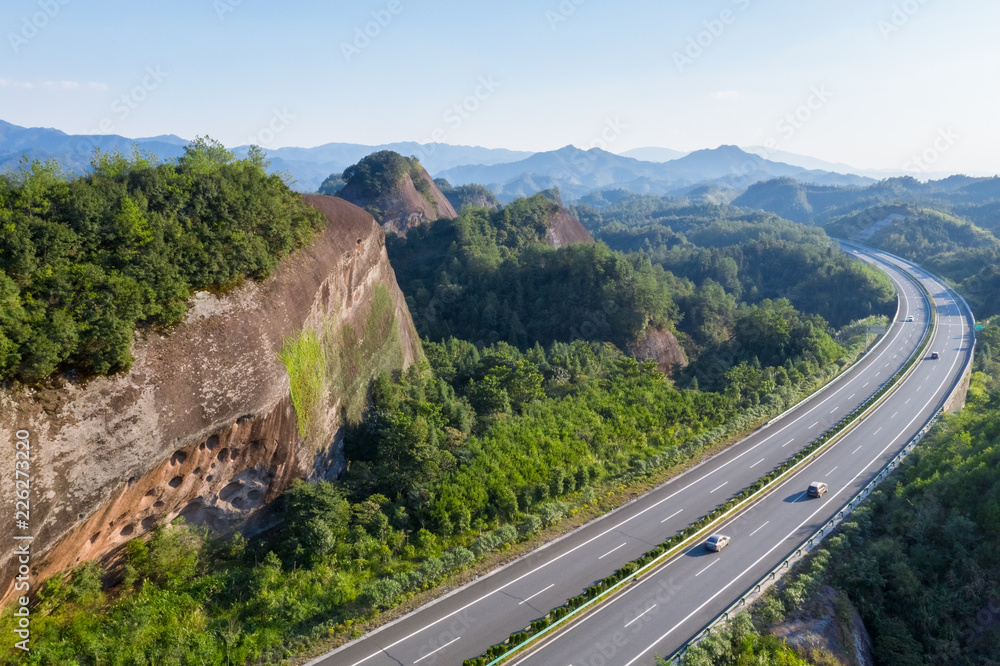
<point>717,542</point>
<point>910,318</point>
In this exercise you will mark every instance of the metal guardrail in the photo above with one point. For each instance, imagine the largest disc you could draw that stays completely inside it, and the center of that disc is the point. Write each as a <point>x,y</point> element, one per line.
<point>775,574</point>
<point>807,545</point>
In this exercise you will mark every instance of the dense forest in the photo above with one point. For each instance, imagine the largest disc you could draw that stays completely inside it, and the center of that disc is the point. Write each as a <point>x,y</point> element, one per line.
<point>753,256</point>
<point>87,260</point>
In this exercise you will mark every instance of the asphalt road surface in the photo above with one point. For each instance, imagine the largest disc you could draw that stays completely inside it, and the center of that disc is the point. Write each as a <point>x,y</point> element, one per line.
<point>664,610</point>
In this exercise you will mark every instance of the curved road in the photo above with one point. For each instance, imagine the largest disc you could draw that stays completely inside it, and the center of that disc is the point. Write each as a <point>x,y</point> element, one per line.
<point>668,607</point>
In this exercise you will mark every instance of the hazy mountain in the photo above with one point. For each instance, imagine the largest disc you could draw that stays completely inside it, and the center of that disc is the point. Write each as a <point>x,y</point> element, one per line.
<point>73,151</point>
<point>652,154</point>
<point>577,172</point>
<point>307,166</point>
<point>310,166</point>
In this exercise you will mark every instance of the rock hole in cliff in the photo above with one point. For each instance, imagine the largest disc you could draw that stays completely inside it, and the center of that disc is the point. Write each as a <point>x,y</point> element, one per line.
<point>230,490</point>
<point>190,512</point>
<point>178,458</point>
<point>201,447</point>
<point>254,496</point>
<point>176,481</point>
<point>150,492</point>
<point>238,502</point>
<point>81,516</point>
<point>243,419</point>
<point>131,481</point>
<point>197,470</point>
<point>148,523</point>
<point>128,530</point>
<point>94,538</point>
<point>212,442</point>
<point>223,455</point>
<point>158,505</point>
<point>210,477</point>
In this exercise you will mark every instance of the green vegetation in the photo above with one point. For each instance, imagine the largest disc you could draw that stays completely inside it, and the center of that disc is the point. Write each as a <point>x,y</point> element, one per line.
<point>490,276</point>
<point>303,360</point>
<point>739,643</point>
<point>467,195</point>
<point>955,248</point>
<point>85,262</point>
<point>753,256</point>
<point>380,172</point>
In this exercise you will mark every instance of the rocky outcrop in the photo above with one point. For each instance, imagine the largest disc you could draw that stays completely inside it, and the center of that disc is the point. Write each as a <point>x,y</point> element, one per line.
<point>209,424</point>
<point>661,346</point>
<point>565,229</point>
<point>831,627</point>
<point>403,206</point>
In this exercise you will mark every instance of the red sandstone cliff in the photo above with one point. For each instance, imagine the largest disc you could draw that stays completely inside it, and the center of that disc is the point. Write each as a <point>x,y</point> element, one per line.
<point>203,425</point>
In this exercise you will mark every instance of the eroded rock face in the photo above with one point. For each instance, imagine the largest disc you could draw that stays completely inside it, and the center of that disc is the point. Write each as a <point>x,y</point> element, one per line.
<point>661,346</point>
<point>565,229</point>
<point>203,425</point>
<point>403,207</point>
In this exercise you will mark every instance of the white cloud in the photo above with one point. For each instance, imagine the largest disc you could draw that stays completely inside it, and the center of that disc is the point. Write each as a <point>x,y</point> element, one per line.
<point>54,85</point>
<point>726,95</point>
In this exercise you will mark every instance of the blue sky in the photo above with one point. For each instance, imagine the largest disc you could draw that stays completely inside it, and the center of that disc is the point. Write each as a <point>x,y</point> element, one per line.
<point>873,83</point>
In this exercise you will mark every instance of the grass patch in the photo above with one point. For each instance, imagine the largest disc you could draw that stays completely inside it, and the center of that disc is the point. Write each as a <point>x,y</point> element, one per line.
<point>341,362</point>
<point>302,357</point>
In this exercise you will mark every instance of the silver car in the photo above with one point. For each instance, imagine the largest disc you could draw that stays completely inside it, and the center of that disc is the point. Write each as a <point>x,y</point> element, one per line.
<point>717,542</point>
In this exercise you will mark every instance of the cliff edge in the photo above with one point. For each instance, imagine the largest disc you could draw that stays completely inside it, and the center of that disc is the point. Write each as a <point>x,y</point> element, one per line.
<point>220,413</point>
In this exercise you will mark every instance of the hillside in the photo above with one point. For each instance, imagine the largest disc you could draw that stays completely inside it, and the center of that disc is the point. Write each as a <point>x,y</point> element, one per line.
<point>818,204</point>
<point>396,190</point>
<point>218,414</point>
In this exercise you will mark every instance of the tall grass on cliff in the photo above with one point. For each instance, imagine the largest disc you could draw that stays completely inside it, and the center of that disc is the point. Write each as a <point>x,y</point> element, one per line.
<point>86,261</point>
<point>341,361</point>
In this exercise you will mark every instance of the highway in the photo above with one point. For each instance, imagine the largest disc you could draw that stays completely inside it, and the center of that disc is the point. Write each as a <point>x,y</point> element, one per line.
<point>669,606</point>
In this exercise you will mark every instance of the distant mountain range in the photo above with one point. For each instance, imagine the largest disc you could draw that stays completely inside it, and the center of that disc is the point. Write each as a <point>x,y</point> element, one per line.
<point>577,172</point>
<point>508,173</point>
